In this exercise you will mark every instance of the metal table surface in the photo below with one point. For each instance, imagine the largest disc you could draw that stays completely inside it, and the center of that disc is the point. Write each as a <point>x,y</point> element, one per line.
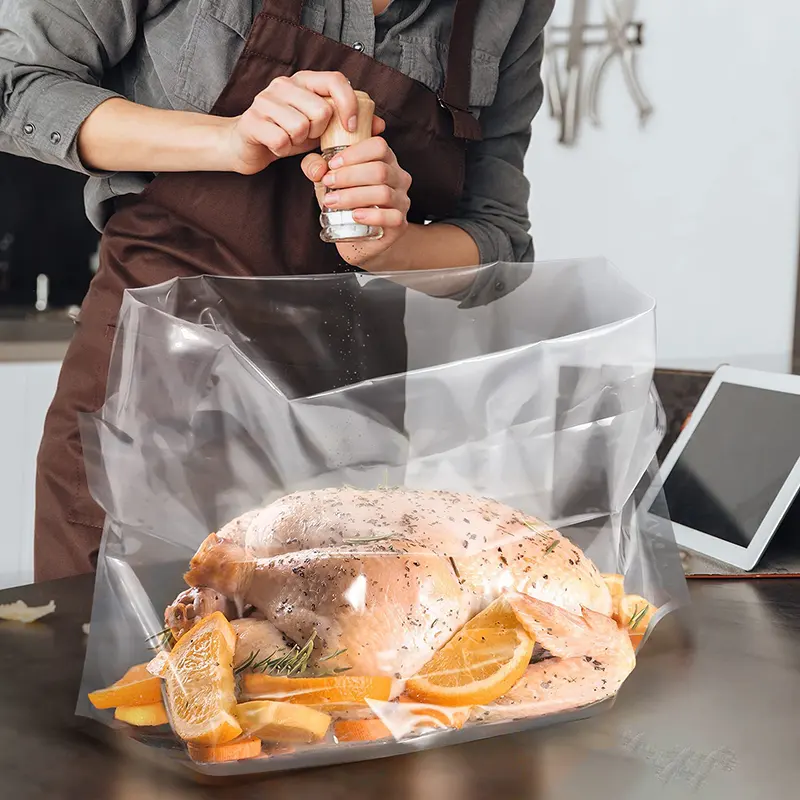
<point>711,711</point>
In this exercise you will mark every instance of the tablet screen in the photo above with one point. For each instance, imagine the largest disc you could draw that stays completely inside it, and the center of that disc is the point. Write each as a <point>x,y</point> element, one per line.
<point>735,463</point>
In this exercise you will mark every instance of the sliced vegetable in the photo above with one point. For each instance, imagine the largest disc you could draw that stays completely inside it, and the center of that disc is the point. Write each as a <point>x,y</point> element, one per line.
<point>235,750</point>
<point>635,614</point>
<point>479,664</point>
<point>361,730</point>
<point>143,716</point>
<point>437,716</point>
<point>616,585</point>
<point>282,722</point>
<point>137,687</point>
<point>200,686</point>
<point>334,693</point>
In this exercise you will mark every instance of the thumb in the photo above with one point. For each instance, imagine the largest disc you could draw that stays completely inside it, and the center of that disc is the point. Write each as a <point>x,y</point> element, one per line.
<point>314,167</point>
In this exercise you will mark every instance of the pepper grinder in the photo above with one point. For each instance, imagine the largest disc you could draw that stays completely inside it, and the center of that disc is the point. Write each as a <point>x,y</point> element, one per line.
<point>338,225</point>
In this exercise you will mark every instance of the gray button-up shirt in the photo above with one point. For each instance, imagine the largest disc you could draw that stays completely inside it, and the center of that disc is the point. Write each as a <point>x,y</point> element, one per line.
<point>59,59</point>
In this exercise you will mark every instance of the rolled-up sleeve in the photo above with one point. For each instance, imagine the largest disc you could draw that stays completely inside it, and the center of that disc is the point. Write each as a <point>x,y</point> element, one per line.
<point>53,57</point>
<point>494,207</point>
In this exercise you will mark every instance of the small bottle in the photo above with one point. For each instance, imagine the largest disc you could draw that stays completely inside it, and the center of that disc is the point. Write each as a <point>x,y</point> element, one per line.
<point>338,225</point>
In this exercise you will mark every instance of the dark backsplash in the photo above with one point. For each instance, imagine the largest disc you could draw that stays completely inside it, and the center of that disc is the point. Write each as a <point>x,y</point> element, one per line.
<point>679,391</point>
<point>43,230</point>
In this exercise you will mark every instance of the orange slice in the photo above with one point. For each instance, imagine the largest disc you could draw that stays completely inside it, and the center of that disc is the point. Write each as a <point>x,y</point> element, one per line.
<point>236,750</point>
<point>635,614</point>
<point>143,716</point>
<point>336,693</point>
<point>137,687</point>
<point>479,664</point>
<point>616,587</point>
<point>437,716</point>
<point>200,685</point>
<point>282,722</point>
<point>361,730</point>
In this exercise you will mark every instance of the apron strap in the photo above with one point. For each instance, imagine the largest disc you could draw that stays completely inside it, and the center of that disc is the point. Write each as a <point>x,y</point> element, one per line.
<point>456,92</point>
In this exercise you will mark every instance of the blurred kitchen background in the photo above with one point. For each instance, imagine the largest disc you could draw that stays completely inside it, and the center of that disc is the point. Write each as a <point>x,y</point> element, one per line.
<point>699,207</point>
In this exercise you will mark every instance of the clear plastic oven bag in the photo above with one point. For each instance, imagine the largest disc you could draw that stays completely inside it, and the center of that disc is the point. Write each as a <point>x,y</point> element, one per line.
<point>354,515</point>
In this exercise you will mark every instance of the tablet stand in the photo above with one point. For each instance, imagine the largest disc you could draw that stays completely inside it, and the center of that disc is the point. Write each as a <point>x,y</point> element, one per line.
<point>781,559</point>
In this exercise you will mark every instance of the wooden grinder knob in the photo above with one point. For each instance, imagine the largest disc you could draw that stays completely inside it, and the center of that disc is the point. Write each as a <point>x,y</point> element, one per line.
<point>336,135</point>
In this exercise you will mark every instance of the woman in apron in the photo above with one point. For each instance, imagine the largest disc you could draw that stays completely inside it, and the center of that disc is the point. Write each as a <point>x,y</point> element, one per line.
<point>197,122</point>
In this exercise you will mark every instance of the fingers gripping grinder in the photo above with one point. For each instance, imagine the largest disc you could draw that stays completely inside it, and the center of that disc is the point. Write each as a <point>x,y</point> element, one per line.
<point>338,225</point>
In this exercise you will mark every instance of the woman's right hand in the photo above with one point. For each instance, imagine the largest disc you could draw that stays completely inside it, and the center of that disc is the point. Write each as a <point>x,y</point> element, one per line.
<point>287,119</point>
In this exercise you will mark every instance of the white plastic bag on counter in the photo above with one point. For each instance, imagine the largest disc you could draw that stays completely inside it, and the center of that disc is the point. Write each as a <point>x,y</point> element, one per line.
<point>353,515</point>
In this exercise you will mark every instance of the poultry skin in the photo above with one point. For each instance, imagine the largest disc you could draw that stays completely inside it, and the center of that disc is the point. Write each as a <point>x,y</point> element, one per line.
<point>388,575</point>
<point>591,656</point>
<point>493,547</point>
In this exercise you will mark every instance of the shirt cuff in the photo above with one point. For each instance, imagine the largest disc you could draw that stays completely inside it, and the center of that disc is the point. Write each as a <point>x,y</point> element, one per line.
<point>45,124</point>
<point>500,274</point>
<point>493,244</point>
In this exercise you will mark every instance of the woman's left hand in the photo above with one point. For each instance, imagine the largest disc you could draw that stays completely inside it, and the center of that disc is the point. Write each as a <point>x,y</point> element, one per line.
<point>366,179</point>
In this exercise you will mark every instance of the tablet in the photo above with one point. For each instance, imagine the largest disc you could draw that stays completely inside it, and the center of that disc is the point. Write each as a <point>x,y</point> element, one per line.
<point>735,468</point>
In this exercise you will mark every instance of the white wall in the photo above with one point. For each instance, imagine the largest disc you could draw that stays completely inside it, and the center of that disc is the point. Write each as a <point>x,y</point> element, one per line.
<point>701,208</point>
<point>25,394</point>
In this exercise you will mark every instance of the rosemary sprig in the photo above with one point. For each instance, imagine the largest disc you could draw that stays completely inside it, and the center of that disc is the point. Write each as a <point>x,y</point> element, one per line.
<point>246,664</point>
<point>531,527</point>
<point>331,672</point>
<point>295,662</point>
<point>334,655</point>
<point>163,640</point>
<point>552,546</point>
<point>367,539</point>
<point>385,485</point>
<point>637,617</point>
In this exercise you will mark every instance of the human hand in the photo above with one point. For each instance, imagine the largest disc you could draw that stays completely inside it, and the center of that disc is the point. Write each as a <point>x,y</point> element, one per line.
<point>367,179</point>
<point>287,119</point>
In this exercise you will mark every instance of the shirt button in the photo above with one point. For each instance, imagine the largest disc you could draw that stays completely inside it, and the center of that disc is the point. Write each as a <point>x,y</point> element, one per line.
<point>28,128</point>
<point>359,46</point>
<point>55,137</point>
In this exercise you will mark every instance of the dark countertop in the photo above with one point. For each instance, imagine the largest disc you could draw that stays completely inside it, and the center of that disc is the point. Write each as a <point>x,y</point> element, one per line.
<point>35,336</point>
<point>711,711</point>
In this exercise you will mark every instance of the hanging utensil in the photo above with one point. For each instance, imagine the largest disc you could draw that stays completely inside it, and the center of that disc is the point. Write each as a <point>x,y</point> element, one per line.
<point>618,20</point>
<point>571,98</point>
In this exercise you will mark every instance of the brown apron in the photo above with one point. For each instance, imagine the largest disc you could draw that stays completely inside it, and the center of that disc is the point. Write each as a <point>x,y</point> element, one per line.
<point>189,224</point>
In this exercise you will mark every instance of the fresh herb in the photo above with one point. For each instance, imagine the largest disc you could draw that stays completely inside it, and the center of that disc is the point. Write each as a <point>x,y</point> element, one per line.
<point>533,529</point>
<point>246,664</point>
<point>367,539</point>
<point>385,485</point>
<point>552,546</point>
<point>163,640</point>
<point>334,655</point>
<point>530,526</point>
<point>295,662</point>
<point>331,672</point>
<point>637,617</point>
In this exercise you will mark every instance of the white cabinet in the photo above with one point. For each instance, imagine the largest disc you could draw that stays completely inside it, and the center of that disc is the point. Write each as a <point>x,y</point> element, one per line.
<point>26,390</point>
